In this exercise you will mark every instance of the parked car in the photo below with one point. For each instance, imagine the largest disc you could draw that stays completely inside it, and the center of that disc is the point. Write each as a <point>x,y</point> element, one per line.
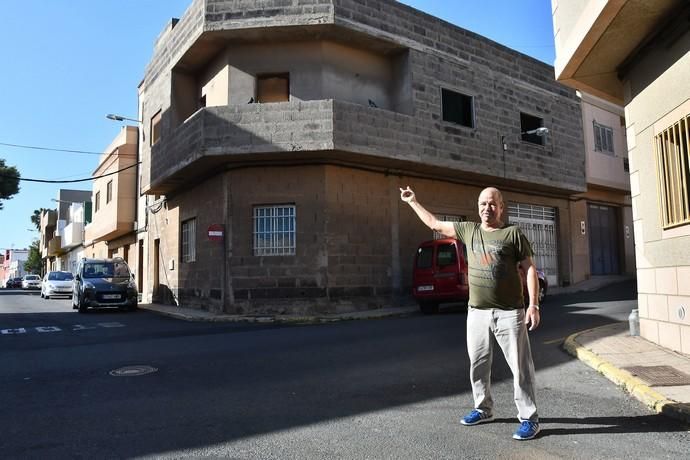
<point>31,282</point>
<point>440,275</point>
<point>13,283</point>
<point>56,283</point>
<point>104,283</point>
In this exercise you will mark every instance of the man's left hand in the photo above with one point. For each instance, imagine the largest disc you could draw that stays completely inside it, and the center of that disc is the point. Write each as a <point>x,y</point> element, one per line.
<point>532,318</point>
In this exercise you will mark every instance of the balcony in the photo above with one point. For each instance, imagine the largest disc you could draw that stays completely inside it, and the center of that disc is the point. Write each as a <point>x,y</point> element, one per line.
<point>347,133</point>
<point>55,247</point>
<point>73,235</point>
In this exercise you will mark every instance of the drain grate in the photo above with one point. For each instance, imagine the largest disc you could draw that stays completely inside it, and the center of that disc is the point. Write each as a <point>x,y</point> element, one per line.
<point>660,376</point>
<point>132,371</point>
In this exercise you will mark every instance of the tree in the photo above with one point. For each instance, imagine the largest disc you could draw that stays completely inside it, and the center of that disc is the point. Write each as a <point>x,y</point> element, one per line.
<point>36,218</point>
<point>34,263</point>
<point>9,181</point>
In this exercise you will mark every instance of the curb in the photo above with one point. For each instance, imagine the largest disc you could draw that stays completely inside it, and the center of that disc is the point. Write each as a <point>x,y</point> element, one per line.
<point>277,318</point>
<point>634,386</point>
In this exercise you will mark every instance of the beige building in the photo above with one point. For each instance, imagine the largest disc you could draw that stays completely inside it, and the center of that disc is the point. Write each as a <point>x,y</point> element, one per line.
<point>637,54</point>
<point>602,241</point>
<point>112,231</point>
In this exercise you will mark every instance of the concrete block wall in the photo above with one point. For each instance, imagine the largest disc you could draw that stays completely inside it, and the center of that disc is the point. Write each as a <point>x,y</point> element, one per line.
<point>503,83</point>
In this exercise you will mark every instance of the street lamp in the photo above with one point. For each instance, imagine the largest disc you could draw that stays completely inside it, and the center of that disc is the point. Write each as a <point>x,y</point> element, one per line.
<point>112,116</point>
<point>541,132</point>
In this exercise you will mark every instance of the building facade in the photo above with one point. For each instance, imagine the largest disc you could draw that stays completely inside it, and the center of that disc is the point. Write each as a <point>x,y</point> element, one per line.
<point>637,54</point>
<point>112,230</point>
<point>604,244</point>
<point>275,139</point>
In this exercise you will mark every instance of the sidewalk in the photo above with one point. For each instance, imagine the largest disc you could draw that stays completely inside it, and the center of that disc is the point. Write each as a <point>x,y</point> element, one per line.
<point>658,377</point>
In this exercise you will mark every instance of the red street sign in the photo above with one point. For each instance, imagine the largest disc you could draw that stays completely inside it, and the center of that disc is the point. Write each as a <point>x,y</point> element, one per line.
<point>215,232</point>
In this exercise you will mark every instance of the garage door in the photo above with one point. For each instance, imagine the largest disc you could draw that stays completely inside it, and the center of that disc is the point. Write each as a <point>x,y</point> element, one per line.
<point>538,223</point>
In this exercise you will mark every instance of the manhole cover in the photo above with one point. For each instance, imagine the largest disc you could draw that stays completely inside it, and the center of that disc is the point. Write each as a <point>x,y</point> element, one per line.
<point>660,376</point>
<point>133,371</point>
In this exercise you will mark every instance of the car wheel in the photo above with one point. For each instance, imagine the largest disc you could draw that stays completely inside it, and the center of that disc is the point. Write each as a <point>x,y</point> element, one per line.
<point>428,308</point>
<point>42,295</point>
<point>81,306</point>
<point>46,297</point>
<point>134,306</point>
<point>542,292</point>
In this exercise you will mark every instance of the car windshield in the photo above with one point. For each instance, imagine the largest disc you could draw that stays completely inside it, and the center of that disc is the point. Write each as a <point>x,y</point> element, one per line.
<point>32,277</point>
<point>106,270</point>
<point>60,276</point>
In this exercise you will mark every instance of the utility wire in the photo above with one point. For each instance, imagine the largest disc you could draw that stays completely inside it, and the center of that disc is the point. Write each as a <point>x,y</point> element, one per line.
<point>44,181</point>
<point>57,150</point>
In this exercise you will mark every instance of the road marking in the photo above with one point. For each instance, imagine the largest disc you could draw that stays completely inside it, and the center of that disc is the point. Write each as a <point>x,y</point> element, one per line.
<point>19,330</point>
<point>75,327</point>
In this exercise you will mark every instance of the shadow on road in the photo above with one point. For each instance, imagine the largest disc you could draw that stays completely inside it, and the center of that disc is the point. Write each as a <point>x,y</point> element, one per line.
<point>224,387</point>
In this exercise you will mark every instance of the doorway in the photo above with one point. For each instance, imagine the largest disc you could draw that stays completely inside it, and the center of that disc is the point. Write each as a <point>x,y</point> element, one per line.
<point>603,243</point>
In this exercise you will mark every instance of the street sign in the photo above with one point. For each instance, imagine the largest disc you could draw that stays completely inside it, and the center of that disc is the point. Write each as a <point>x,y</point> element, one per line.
<point>215,232</point>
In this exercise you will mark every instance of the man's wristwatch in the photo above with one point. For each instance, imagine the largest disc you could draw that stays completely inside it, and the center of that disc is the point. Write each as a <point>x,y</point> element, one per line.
<point>535,306</point>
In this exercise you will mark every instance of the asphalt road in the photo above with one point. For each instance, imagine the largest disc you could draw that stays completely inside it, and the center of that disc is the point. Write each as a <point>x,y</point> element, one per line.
<point>387,388</point>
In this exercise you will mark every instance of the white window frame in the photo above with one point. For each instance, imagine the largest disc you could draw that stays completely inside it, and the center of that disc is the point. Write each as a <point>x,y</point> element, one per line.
<point>603,138</point>
<point>188,245</point>
<point>274,230</point>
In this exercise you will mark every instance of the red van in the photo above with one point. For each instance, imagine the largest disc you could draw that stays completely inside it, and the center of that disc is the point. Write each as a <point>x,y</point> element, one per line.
<point>440,275</point>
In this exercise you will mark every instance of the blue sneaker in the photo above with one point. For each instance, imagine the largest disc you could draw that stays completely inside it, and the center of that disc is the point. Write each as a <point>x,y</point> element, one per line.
<point>476,417</point>
<point>527,430</point>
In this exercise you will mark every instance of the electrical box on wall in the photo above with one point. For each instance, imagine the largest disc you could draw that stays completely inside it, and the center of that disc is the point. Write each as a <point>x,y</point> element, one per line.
<point>582,227</point>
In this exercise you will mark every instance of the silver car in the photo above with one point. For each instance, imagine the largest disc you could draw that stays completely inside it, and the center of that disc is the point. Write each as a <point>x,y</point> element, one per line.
<point>31,282</point>
<point>57,283</point>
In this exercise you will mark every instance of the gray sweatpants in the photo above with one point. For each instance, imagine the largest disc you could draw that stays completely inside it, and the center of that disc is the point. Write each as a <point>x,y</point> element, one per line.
<point>508,326</point>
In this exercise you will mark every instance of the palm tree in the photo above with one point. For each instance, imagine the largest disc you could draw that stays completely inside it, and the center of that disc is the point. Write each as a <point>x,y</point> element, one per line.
<point>36,218</point>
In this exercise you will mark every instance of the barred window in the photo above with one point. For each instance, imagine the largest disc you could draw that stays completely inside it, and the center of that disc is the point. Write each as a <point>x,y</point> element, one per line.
<point>188,241</point>
<point>673,169</point>
<point>447,218</point>
<point>603,138</point>
<point>274,230</point>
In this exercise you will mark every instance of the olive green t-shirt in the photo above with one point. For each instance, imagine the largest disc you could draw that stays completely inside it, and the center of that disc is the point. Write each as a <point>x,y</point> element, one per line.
<point>492,259</point>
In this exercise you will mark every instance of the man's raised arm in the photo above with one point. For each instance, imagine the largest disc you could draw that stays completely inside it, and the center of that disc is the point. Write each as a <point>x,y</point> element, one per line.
<point>430,220</point>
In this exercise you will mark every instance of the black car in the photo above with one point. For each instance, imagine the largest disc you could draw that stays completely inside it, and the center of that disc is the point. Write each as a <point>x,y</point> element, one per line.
<point>13,283</point>
<point>104,283</point>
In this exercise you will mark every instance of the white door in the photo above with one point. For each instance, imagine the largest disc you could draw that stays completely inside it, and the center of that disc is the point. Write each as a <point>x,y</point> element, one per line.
<point>538,223</point>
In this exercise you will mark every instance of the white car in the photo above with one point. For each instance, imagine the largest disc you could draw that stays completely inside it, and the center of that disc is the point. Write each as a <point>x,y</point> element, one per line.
<point>31,282</point>
<point>57,283</point>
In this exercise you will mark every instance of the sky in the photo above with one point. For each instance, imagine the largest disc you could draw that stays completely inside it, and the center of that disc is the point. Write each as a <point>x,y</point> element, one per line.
<point>68,63</point>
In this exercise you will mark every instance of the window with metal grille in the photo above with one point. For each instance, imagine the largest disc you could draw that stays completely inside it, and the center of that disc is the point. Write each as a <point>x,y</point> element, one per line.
<point>274,230</point>
<point>188,241</point>
<point>109,192</point>
<point>673,170</point>
<point>603,138</point>
<point>457,108</point>
<point>97,204</point>
<point>447,218</point>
